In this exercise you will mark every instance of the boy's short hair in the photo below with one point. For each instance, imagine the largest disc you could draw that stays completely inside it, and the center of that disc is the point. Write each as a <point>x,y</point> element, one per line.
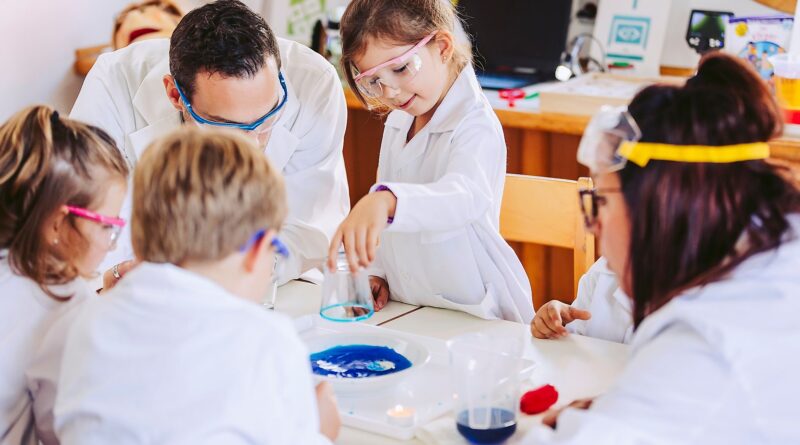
<point>201,194</point>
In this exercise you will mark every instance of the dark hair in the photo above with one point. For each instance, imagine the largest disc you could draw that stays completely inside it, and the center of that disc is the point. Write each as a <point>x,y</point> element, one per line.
<point>693,223</point>
<point>47,162</point>
<point>223,37</point>
<point>404,22</point>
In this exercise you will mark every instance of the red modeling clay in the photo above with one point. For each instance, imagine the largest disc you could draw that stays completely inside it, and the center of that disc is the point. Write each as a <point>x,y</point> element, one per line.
<point>538,400</point>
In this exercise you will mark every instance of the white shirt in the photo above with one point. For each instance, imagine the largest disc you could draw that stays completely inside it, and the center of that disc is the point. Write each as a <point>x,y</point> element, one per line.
<point>124,95</point>
<point>716,365</point>
<point>26,312</point>
<point>600,294</point>
<point>170,357</point>
<point>444,248</point>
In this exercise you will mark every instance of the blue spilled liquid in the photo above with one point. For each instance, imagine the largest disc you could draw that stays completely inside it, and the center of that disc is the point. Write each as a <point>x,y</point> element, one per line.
<point>502,425</point>
<point>358,361</point>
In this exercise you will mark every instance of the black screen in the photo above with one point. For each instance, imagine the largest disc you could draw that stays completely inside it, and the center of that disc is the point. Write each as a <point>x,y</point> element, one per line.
<point>520,35</point>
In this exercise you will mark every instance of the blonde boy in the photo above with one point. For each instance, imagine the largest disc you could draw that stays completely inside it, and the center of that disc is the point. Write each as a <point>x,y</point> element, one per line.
<point>180,351</point>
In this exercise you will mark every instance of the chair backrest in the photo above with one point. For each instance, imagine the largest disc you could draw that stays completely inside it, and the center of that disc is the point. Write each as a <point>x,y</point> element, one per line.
<point>546,211</point>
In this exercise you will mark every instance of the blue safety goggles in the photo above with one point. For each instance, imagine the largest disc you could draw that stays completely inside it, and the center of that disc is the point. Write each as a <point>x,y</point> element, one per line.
<point>246,127</point>
<point>280,248</point>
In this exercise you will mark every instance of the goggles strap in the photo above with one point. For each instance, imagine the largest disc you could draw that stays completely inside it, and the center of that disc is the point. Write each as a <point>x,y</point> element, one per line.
<point>640,153</point>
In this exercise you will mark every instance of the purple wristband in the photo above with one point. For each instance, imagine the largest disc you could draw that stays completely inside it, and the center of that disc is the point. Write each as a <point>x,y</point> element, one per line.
<point>383,188</point>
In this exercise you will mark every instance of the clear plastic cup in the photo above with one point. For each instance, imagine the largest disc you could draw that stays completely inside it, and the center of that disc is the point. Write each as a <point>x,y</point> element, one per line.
<point>346,296</point>
<point>486,374</point>
<point>787,85</point>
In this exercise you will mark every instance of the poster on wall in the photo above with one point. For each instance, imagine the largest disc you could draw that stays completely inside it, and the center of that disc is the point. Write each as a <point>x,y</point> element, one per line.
<point>632,33</point>
<point>302,16</point>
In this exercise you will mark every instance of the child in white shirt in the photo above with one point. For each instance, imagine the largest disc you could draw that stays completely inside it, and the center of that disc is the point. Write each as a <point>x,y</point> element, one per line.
<point>180,351</point>
<point>600,310</point>
<point>60,180</point>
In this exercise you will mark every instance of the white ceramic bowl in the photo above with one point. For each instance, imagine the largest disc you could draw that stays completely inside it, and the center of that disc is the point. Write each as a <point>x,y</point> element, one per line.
<point>415,352</point>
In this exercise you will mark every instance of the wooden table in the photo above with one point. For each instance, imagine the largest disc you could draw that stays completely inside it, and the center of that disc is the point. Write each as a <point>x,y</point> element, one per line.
<point>577,366</point>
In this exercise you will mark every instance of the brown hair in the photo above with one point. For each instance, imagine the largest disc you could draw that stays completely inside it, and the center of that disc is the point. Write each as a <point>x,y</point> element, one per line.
<point>404,22</point>
<point>47,162</point>
<point>687,219</point>
<point>201,194</point>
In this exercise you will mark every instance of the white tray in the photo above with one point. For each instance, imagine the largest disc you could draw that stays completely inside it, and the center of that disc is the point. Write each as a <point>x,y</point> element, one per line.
<point>429,390</point>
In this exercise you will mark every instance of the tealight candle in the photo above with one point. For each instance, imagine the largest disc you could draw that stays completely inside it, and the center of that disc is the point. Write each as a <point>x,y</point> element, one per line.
<point>401,416</point>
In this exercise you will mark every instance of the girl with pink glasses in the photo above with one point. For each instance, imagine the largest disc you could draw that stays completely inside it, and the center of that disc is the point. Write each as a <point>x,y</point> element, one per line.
<point>435,209</point>
<point>61,183</point>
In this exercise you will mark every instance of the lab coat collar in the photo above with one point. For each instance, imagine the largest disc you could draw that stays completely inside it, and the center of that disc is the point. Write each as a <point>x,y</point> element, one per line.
<point>464,94</point>
<point>152,103</point>
<point>282,142</point>
<point>174,285</point>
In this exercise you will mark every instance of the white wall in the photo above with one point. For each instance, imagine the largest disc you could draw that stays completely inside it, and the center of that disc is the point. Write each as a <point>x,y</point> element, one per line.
<point>37,43</point>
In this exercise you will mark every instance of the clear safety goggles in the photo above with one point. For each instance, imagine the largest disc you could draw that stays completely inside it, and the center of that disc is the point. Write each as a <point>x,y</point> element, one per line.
<point>395,73</point>
<point>611,139</point>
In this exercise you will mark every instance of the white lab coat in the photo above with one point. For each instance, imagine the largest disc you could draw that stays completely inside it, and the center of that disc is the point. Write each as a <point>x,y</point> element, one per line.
<point>444,248</point>
<point>124,95</point>
<point>600,294</point>
<point>716,365</point>
<point>26,312</point>
<point>168,356</point>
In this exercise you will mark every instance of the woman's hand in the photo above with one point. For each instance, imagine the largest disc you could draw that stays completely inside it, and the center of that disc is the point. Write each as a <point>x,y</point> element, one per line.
<point>360,231</point>
<point>380,291</point>
<point>112,276</point>
<point>551,317</point>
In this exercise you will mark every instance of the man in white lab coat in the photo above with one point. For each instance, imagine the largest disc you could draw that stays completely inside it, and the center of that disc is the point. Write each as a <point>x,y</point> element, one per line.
<point>224,68</point>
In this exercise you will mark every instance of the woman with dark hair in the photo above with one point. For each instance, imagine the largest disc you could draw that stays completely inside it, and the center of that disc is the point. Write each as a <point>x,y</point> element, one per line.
<point>702,233</point>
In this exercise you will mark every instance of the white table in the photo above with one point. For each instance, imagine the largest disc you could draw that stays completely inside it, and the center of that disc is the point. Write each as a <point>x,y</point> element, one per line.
<point>577,366</point>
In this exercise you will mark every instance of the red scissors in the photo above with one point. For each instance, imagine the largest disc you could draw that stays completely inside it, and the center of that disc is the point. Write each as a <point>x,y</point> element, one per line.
<point>512,95</point>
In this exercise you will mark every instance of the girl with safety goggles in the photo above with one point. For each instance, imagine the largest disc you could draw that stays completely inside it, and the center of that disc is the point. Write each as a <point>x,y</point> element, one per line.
<point>435,208</point>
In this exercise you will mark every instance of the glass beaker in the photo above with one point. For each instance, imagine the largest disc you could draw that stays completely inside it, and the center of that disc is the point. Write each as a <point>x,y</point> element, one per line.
<point>268,301</point>
<point>346,296</point>
<point>486,375</point>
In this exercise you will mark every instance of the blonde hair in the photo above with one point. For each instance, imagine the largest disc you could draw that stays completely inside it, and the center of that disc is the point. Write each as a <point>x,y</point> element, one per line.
<point>404,22</point>
<point>47,162</point>
<point>201,194</point>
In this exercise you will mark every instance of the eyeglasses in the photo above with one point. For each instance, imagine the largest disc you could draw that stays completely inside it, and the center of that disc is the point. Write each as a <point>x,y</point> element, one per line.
<point>260,126</point>
<point>111,223</point>
<point>280,248</point>
<point>394,73</point>
<point>591,202</point>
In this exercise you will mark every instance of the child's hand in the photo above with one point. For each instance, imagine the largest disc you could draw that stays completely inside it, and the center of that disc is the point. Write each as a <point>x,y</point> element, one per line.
<point>380,291</point>
<point>551,417</point>
<point>550,319</point>
<point>110,276</point>
<point>360,231</point>
<point>329,421</point>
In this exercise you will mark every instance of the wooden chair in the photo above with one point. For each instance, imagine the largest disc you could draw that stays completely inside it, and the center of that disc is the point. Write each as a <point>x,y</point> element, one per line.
<point>546,211</point>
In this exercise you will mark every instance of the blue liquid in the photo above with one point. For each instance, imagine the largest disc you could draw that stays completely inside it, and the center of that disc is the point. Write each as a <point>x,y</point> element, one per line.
<point>358,361</point>
<point>502,425</point>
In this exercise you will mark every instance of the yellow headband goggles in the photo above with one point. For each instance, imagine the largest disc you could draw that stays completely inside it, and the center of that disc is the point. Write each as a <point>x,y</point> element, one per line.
<point>611,139</point>
<point>640,153</point>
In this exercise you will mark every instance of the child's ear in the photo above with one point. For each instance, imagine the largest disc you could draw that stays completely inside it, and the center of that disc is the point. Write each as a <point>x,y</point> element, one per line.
<point>446,42</point>
<point>55,228</point>
<point>260,251</point>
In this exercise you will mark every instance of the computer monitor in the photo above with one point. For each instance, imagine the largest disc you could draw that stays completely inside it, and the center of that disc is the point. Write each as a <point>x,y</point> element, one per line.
<point>516,39</point>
